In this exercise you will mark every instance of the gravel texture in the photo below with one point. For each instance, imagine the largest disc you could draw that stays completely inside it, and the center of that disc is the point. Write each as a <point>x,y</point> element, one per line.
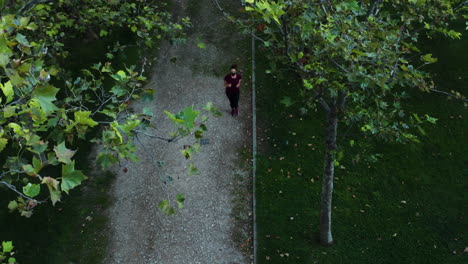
<point>204,231</point>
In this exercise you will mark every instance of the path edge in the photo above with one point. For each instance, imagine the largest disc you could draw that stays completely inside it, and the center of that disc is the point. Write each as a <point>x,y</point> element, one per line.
<point>254,152</point>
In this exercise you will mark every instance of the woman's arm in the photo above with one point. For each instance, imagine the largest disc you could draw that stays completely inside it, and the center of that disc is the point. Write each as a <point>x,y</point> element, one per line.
<point>239,83</point>
<point>226,84</point>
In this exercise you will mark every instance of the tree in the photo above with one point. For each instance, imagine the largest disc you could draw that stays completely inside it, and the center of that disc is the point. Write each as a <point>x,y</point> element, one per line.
<point>47,110</point>
<point>358,61</point>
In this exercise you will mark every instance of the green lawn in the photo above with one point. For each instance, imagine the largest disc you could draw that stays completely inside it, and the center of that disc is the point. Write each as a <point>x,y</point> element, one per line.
<point>409,207</point>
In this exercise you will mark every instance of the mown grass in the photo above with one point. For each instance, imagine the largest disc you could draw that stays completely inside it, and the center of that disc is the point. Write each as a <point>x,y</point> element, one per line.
<point>409,207</point>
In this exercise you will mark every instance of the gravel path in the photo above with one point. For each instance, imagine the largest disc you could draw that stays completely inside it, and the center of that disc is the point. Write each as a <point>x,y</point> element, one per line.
<point>205,230</point>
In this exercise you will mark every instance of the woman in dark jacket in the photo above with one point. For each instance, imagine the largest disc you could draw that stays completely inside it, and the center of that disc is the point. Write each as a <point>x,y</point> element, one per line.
<point>232,82</point>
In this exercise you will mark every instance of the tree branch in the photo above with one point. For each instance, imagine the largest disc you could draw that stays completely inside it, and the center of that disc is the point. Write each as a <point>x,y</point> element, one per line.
<point>449,94</point>
<point>32,4</point>
<point>13,188</point>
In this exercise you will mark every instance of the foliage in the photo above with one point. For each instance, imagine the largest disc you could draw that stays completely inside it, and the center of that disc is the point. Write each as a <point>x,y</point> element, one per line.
<point>358,61</point>
<point>6,253</point>
<point>364,52</point>
<point>47,110</point>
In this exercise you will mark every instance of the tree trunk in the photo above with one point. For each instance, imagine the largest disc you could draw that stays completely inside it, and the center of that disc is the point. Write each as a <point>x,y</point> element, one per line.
<point>326,237</point>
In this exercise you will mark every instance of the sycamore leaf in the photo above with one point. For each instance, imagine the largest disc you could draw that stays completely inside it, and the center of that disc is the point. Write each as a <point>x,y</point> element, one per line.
<point>82,117</point>
<point>71,177</point>
<point>22,39</point>
<point>55,195</point>
<point>192,170</point>
<point>163,204</point>
<point>32,190</point>
<point>189,117</point>
<point>3,143</point>
<point>37,164</point>
<point>29,169</point>
<point>7,90</point>
<point>180,199</point>
<point>428,58</point>
<point>45,95</point>
<point>63,154</point>
<point>51,182</point>
<point>106,160</point>
<point>166,208</point>
<point>201,45</point>
<point>7,246</point>
<point>12,205</point>
<point>287,101</point>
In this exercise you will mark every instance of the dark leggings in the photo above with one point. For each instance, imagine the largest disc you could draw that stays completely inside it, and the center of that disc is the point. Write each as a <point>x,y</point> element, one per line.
<point>233,98</point>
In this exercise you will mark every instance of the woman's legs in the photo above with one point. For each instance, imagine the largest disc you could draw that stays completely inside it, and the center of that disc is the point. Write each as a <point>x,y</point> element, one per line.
<point>230,96</point>
<point>233,97</point>
<point>236,102</point>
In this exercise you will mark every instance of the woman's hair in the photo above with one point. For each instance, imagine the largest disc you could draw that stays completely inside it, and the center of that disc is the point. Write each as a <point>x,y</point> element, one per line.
<point>234,66</point>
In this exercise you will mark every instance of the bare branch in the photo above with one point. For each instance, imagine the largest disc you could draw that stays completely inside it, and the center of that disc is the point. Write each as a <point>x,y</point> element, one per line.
<point>448,94</point>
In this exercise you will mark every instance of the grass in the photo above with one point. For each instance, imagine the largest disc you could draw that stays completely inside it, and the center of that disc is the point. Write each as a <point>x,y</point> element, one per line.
<point>409,207</point>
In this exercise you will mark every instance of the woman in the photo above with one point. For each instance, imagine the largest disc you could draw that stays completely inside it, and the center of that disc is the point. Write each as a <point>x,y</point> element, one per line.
<point>232,82</point>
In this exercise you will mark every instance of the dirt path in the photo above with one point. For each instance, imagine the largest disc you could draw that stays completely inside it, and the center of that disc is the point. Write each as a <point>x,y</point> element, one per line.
<point>216,214</point>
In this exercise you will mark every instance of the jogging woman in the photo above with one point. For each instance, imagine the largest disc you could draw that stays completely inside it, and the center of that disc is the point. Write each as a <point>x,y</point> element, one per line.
<point>232,82</point>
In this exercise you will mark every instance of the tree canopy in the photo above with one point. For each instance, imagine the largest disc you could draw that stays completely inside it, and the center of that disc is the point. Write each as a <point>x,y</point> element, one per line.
<point>47,109</point>
<point>359,61</point>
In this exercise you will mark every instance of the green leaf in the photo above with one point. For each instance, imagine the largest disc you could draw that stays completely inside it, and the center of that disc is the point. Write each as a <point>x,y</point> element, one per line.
<point>192,170</point>
<point>428,58</point>
<point>103,33</point>
<point>4,59</point>
<point>63,154</point>
<point>106,160</point>
<point>430,119</point>
<point>189,117</point>
<point>53,186</point>
<point>29,169</point>
<point>7,246</point>
<point>37,164</point>
<point>51,182</point>
<point>12,205</point>
<point>287,101</point>
<point>147,111</point>
<point>3,143</point>
<point>32,190</point>
<point>180,199</point>
<point>55,195</point>
<point>82,117</point>
<point>201,45</point>
<point>119,76</point>
<point>163,205</point>
<point>7,90</point>
<point>71,177</point>
<point>170,210</point>
<point>45,95</point>
<point>130,125</point>
<point>22,39</point>
<point>118,90</point>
